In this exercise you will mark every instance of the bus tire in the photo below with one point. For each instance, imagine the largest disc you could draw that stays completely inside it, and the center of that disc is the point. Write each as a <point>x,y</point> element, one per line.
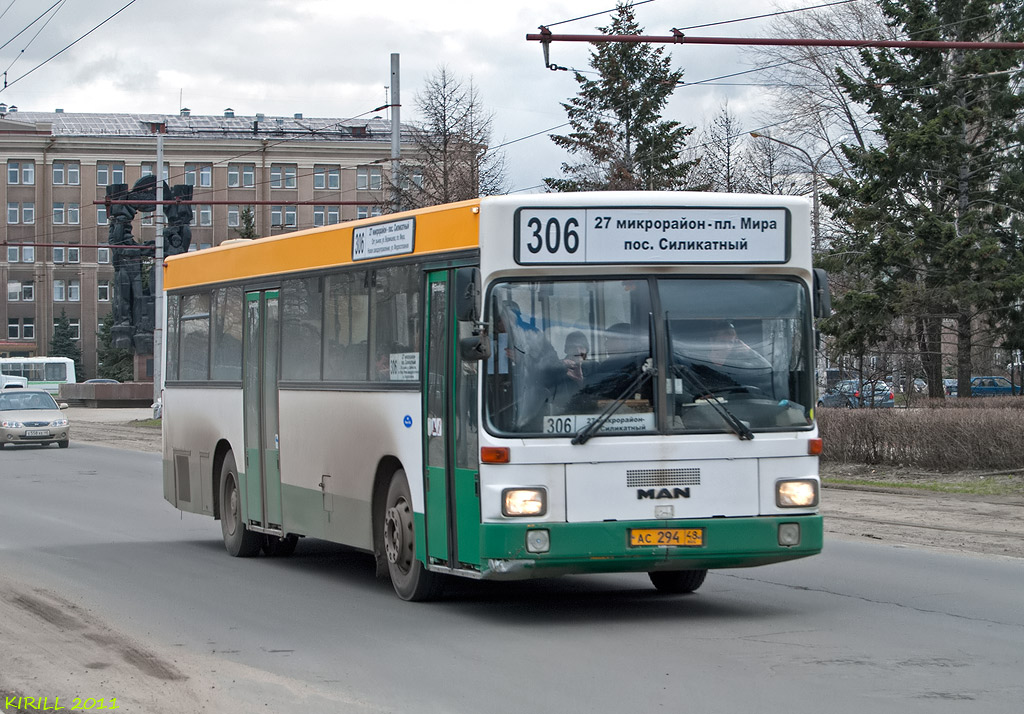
<point>275,547</point>
<point>238,540</point>
<point>410,579</point>
<point>677,581</point>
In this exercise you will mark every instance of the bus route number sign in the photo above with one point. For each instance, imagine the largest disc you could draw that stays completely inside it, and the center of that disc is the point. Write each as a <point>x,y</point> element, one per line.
<point>546,236</point>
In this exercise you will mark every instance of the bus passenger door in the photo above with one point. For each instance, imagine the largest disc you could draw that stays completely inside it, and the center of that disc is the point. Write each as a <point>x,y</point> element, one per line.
<point>259,395</point>
<point>450,439</point>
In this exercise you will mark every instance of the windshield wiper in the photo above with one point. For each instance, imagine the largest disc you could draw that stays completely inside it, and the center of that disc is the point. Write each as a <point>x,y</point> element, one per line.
<point>687,373</point>
<point>646,372</point>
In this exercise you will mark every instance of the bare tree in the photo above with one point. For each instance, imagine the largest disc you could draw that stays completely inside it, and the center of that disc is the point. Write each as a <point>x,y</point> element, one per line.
<point>720,152</point>
<point>451,160</point>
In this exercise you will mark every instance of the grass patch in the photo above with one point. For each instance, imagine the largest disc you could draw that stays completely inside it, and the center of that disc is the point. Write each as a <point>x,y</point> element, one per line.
<point>972,486</point>
<point>146,423</point>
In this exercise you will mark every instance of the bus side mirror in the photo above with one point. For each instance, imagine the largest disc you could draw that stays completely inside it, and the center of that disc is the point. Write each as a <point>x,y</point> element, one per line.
<point>822,295</point>
<point>476,348</point>
<point>467,294</point>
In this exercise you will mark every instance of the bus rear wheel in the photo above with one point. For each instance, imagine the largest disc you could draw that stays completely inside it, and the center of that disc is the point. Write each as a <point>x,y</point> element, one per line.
<point>411,580</point>
<point>239,540</point>
<point>678,581</point>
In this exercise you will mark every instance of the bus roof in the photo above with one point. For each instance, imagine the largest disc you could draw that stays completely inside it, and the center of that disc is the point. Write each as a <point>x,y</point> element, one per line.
<point>436,229</point>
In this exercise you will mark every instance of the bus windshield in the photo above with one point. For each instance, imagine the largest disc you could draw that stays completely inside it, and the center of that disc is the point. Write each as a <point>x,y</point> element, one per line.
<point>679,355</point>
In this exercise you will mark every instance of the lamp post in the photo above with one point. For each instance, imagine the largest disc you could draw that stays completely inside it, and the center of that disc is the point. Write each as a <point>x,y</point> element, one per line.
<point>813,163</point>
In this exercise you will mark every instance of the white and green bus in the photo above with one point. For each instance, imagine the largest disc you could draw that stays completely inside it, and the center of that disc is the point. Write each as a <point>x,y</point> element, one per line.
<point>41,372</point>
<point>505,388</point>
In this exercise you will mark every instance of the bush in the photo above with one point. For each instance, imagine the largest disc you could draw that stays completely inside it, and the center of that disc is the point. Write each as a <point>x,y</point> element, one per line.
<point>981,434</point>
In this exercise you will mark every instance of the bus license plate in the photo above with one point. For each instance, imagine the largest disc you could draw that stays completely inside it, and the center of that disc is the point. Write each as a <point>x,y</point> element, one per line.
<point>37,432</point>
<point>666,536</point>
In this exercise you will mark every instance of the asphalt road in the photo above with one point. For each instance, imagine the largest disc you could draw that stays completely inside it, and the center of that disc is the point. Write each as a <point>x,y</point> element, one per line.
<point>107,591</point>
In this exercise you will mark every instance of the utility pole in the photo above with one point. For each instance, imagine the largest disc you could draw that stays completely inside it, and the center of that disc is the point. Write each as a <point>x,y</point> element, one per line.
<point>158,271</point>
<point>396,136</point>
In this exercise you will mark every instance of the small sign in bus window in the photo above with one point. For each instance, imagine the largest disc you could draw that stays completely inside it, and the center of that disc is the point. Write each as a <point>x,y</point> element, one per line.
<point>651,235</point>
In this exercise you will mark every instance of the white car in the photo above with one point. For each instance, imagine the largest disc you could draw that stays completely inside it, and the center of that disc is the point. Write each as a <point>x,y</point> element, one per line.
<point>30,416</point>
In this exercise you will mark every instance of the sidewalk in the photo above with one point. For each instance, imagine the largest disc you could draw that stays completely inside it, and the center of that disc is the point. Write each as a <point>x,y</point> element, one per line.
<point>125,428</point>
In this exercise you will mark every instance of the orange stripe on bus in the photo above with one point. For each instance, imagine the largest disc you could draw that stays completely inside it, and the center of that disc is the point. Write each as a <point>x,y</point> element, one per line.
<point>438,229</point>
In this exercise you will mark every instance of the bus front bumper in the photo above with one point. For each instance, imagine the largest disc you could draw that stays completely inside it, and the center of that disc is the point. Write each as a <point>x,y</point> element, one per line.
<point>605,547</point>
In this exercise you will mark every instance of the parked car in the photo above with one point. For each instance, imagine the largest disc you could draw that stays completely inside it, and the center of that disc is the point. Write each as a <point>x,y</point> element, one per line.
<point>101,380</point>
<point>851,394</point>
<point>30,416</point>
<point>949,386</point>
<point>991,387</point>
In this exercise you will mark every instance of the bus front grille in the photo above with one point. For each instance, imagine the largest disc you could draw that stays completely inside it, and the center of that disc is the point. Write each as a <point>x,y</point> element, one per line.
<point>649,478</point>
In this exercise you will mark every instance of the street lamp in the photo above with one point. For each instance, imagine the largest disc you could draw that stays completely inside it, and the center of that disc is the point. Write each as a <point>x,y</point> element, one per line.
<point>813,163</point>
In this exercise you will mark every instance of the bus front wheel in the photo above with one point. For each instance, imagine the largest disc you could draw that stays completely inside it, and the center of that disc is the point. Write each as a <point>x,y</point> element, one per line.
<point>239,541</point>
<point>411,580</point>
<point>678,581</point>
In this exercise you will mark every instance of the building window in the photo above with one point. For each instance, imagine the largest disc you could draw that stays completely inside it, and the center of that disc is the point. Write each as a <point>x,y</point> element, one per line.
<point>327,177</point>
<point>206,215</point>
<point>74,290</point>
<point>103,291</point>
<point>21,172</point>
<point>147,169</point>
<point>319,215</point>
<point>333,215</point>
<point>74,254</point>
<point>283,176</point>
<point>28,213</point>
<point>28,328</point>
<point>276,215</point>
<point>13,291</point>
<point>241,175</point>
<point>58,214</point>
<point>412,178</point>
<point>13,329</point>
<point>233,217</point>
<point>109,173</point>
<point>13,213</point>
<point>101,215</point>
<point>199,175</point>
<point>28,254</point>
<point>58,254</point>
<point>368,211</point>
<point>12,253</point>
<point>66,173</point>
<point>28,292</point>
<point>58,291</point>
<point>103,255</point>
<point>291,216</point>
<point>368,178</point>
<point>73,212</point>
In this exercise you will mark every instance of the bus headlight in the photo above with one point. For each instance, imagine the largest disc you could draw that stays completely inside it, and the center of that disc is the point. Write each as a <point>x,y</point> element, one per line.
<point>519,502</point>
<point>801,493</point>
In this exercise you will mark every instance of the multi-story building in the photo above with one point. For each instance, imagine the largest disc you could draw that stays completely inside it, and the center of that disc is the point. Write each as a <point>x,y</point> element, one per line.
<point>292,172</point>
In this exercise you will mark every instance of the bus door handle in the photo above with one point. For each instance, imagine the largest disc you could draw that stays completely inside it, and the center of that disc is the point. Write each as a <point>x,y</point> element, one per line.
<point>323,482</point>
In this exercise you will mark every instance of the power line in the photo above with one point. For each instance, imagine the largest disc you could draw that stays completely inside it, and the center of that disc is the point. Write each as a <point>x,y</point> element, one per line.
<point>29,43</point>
<point>66,48</point>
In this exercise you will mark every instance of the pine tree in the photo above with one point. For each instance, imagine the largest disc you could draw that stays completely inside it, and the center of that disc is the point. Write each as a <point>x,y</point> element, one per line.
<point>617,127</point>
<point>113,363</point>
<point>933,206</point>
<point>246,224</point>
<point>62,343</point>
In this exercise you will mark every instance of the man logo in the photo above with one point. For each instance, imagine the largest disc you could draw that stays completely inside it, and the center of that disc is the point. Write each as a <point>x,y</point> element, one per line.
<point>642,493</point>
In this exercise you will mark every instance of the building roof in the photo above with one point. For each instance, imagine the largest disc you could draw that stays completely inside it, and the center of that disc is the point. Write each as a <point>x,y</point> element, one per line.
<point>212,127</point>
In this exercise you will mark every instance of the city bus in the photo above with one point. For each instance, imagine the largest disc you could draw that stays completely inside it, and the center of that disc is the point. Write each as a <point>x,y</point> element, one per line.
<point>507,388</point>
<point>41,372</point>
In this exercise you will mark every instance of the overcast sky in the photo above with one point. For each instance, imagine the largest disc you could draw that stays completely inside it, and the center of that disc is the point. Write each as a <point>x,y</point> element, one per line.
<point>331,58</point>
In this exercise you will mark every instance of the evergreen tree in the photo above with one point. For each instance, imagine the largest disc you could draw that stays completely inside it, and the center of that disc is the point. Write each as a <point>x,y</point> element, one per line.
<point>113,363</point>
<point>617,128</point>
<point>246,224</point>
<point>934,206</point>
<point>63,345</point>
